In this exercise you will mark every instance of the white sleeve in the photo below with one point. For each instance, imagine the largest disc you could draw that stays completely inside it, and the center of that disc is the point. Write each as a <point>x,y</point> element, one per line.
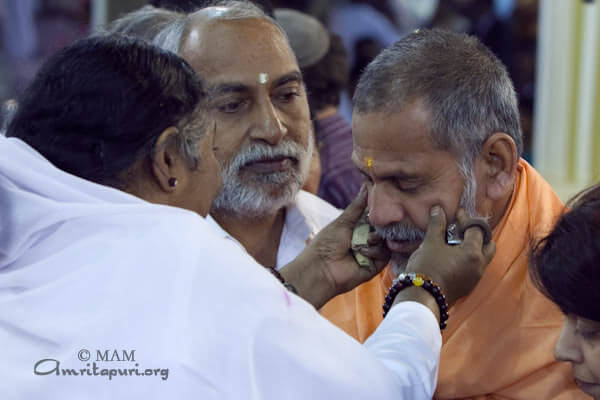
<point>306,357</point>
<point>408,343</point>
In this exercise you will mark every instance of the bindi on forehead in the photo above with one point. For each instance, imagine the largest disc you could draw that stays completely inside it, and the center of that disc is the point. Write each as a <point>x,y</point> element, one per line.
<point>369,163</point>
<point>263,78</point>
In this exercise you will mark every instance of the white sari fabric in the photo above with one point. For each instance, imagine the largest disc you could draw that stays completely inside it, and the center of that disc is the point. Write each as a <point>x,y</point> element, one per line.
<point>106,296</point>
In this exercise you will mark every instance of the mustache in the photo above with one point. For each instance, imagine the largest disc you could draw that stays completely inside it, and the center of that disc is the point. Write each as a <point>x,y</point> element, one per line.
<point>400,231</point>
<point>255,152</point>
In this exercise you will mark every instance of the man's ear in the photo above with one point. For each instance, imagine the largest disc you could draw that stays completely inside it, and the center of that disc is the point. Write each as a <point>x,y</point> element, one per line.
<point>499,160</point>
<point>166,160</point>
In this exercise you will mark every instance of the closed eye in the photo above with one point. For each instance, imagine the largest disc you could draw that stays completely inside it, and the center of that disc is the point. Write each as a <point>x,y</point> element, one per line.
<point>407,187</point>
<point>288,96</point>
<point>233,106</point>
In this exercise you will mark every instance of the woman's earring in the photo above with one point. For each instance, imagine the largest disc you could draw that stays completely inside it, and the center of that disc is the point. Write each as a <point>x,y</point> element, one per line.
<point>172,182</point>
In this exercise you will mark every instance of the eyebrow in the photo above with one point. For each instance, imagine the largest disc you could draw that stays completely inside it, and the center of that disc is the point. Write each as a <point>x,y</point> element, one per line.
<point>294,76</point>
<point>397,176</point>
<point>238,87</point>
<point>231,87</point>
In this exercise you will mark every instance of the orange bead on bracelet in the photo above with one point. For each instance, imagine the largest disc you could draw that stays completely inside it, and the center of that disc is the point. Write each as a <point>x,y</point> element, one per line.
<point>405,280</point>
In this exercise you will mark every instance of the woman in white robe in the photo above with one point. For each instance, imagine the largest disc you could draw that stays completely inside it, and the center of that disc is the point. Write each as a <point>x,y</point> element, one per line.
<point>113,286</point>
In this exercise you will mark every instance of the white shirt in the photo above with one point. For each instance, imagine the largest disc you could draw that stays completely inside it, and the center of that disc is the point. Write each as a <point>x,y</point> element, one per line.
<point>118,298</point>
<point>304,218</point>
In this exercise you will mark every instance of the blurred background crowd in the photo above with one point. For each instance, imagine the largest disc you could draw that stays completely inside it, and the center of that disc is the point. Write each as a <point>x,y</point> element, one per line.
<point>34,29</point>
<point>31,30</point>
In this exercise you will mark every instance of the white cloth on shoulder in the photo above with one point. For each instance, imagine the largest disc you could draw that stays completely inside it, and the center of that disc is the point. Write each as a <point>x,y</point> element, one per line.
<point>304,218</point>
<point>106,296</point>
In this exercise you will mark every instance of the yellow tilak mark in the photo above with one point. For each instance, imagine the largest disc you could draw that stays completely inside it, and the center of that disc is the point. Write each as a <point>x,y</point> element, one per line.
<point>369,162</point>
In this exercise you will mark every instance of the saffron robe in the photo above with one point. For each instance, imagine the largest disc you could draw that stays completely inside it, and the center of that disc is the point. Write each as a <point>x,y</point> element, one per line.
<point>499,340</point>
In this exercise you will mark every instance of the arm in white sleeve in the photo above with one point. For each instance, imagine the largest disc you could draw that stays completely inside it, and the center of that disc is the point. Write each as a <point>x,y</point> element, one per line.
<point>408,343</point>
<point>245,336</point>
<point>307,357</point>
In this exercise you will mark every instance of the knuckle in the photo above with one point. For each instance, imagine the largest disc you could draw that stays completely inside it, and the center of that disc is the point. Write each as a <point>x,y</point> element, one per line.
<point>474,257</point>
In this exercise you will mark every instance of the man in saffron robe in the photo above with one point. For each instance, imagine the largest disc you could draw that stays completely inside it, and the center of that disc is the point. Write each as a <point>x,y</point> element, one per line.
<point>436,120</point>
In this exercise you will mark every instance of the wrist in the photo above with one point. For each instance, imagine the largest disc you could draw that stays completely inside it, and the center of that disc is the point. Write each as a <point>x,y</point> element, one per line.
<point>422,289</point>
<point>439,280</point>
<point>310,281</point>
<point>419,295</point>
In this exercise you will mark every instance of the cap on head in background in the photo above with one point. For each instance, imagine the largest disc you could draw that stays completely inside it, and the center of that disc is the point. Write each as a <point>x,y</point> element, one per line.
<point>308,37</point>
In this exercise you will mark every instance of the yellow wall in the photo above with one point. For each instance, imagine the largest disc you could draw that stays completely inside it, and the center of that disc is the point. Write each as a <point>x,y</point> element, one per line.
<point>567,120</point>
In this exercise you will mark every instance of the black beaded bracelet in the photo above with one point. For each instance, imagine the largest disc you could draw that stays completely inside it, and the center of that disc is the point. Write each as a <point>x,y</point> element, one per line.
<point>411,279</point>
<point>277,275</point>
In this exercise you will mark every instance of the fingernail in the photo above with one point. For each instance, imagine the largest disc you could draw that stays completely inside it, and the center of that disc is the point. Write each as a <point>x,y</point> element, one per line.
<point>435,210</point>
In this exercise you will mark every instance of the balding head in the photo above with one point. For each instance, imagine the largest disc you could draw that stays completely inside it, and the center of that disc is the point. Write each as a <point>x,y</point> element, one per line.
<point>259,101</point>
<point>167,29</point>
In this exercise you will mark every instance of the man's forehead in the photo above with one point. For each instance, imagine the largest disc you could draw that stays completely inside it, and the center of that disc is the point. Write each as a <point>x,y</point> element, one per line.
<point>407,167</point>
<point>371,160</point>
<point>237,48</point>
<point>239,54</point>
<point>224,84</point>
<point>207,32</point>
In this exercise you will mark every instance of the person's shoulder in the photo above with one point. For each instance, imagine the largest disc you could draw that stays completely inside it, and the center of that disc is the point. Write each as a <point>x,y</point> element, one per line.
<point>540,192</point>
<point>178,229</point>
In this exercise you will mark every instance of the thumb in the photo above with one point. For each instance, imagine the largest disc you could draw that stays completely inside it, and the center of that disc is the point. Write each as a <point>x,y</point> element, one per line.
<point>355,210</point>
<point>436,228</point>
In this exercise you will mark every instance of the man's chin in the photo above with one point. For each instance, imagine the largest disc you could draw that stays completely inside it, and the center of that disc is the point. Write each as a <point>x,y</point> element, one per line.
<point>255,200</point>
<point>398,262</point>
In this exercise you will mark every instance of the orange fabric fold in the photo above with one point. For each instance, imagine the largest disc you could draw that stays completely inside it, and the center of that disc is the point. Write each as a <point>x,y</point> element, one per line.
<point>499,340</point>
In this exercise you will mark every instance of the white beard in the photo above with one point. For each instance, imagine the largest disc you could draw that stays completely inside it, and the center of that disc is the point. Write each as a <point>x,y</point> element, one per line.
<point>252,197</point>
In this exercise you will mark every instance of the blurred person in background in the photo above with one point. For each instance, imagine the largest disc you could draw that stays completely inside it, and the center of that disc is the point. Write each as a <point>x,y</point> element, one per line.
<point>325,81</point>
<point>33,30</point>
<point>20,39</point>
<point>324,64</point>
<point>313,178</point>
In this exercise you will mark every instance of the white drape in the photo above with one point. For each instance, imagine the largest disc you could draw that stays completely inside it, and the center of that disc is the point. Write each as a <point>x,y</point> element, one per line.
<point>87,272</point>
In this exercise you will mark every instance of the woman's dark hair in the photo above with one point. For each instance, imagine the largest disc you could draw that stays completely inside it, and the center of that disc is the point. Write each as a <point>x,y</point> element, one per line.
<point>565,265</point>
<point>99,105</point>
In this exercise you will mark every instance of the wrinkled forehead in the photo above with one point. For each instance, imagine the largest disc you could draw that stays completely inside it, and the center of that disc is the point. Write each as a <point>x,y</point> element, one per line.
<point>214,46</point>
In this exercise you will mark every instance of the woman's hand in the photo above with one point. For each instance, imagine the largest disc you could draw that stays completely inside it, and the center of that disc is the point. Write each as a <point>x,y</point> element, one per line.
<point>455,268</point>
<point>327,266</point>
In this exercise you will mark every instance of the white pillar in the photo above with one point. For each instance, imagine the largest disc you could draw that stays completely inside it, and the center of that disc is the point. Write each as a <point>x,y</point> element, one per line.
<point>565,100</point>
<point>584,122</point>
<point>553,88</point>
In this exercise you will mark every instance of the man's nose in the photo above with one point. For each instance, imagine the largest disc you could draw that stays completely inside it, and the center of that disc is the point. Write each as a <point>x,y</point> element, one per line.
<point>567,347</point>
<point>268,127</point>
<point>384,208</point>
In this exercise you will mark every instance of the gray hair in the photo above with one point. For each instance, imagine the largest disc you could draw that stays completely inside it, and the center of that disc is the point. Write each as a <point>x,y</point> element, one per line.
<point>465,88</point>
<point>160,27</point>
<point>166,29</point>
